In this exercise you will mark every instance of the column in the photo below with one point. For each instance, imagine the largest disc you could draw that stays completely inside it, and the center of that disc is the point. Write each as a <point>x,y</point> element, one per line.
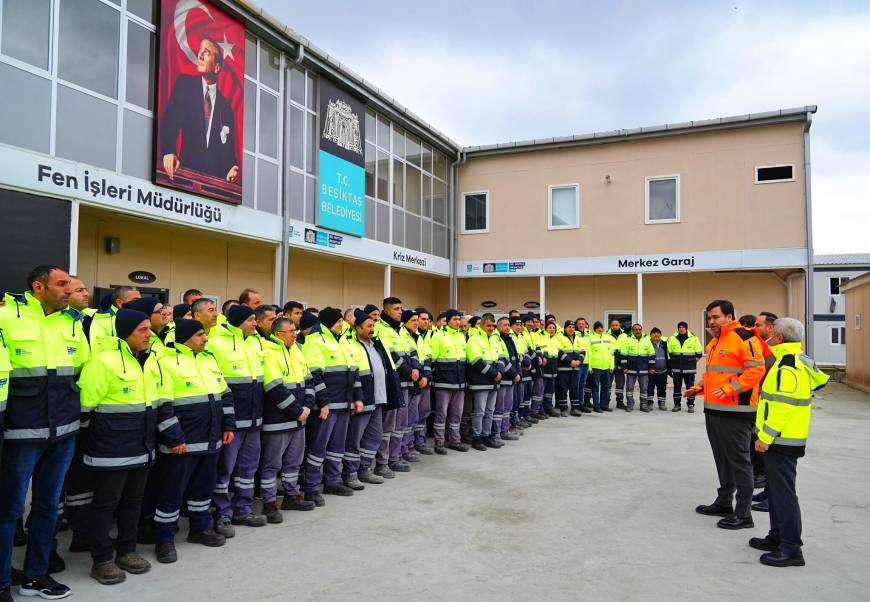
<point>542,294</point>
<point>640,297</point>
<point>74,238</point>
<point>388,280</point>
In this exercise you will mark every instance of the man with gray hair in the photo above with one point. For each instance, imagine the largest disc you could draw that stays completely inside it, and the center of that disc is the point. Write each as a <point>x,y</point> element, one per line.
<point>102,331</point>
<point>783,424</point>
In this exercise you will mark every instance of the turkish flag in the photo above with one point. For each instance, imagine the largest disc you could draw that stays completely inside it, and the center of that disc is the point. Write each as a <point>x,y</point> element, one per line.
<point>215,142</point>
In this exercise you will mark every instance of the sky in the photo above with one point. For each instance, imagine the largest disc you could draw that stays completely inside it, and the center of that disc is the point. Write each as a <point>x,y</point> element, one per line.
<point>494,71</point>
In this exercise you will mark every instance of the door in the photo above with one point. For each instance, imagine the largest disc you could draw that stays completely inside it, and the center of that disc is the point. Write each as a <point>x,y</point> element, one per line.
<point>625,317</point>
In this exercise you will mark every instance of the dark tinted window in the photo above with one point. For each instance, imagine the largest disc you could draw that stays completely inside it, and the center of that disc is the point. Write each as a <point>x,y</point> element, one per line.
<point>779,172</point>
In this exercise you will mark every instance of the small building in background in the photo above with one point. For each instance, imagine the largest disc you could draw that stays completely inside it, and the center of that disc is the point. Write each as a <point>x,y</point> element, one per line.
<point>832,272</point>
<point>857,293</point>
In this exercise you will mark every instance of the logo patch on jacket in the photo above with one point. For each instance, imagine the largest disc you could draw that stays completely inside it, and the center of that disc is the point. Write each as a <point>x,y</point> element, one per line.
<point>3,382</point>
<point>125,390</point>
<point>19,351</point>
<point>188,384</point>
<point>71,350</point>
<point>722,352</point>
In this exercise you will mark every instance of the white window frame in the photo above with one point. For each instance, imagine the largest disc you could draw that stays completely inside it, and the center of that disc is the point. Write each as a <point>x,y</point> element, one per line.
<point>647,181</point>
<point>608,312</point>
<point>841,336</point>
<point>841,280</point>
<point>791,179</point>
<point>550,189</point>
<point>462,212</point>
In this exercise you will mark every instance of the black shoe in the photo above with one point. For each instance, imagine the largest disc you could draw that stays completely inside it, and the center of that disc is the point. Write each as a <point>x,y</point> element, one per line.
<point>466,439</point>
<point>314,496</point>
<point>478,445</point>
<point>166,553</point>
<point>554,414</point>
<point>338,489</point>
<point>714,510</point>
<point>564,413</point>
<point>676,409</point>
<point>629,408</point>
<point>490,442</point>
<point>763,544</point>
<point>399,466</point>
<point>6,594</point>
<point>426,451</point>
<point>249,520</point>
<point>646,408</point>
<point>297,503</point>
<point>761,506</point>
<point>210,538</point>
<point>576,412</point>
<point>598,411</point>
<point>586,409</point>
<point>663,407</point>
<point>460,447</point>
<point>440,449</point>
<point>780,559</point>
<point>273,513</point>
<point>55,563</point>
<point>44,587</point>
<point>734,522</point>
<point>759,497</point>
<point>607,409</point>
<point>20,539</point>
<point>620,405</point>
<point>691,410</point>
<point>532,419</point>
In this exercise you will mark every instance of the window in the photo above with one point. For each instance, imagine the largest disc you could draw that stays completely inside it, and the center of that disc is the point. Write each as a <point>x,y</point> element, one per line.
<point>26,25</point>
<point>835,283</point>
<point>662,199</point>
<point>301,143</point>
<point>838,335</point>
<point>564,207</point>
<point>768,174</point>
<point>475,212</point>
<point>88,46</point>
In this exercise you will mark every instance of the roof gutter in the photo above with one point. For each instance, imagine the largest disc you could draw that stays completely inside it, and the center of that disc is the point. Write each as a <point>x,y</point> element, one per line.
<point>808,194</point>
<point>454,236</point>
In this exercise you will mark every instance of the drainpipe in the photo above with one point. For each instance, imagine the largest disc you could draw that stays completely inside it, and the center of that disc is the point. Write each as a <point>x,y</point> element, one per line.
<point>283,280</point>
<point>809,280</point>
<point>454,184</point>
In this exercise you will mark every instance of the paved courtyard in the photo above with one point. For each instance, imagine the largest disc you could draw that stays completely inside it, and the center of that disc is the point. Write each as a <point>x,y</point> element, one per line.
<point>598,508</point>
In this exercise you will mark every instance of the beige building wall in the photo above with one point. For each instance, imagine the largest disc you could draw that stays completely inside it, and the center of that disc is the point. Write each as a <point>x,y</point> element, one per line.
<point>858,341</point>
<point>717,195</point>
<point>508,293</point>
<point>572,297</point>
<point>180,257</point>
<point>318,280</point>
<point>416,289</point>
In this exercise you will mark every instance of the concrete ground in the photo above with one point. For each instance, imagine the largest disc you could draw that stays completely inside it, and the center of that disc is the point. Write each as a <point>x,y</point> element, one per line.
<point>598,508</point>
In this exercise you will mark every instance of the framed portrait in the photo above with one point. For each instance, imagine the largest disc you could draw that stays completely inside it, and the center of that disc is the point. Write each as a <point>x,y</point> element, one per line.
<point>200,100</point>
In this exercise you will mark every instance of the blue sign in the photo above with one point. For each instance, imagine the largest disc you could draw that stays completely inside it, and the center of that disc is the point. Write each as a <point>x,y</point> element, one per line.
<point>341,203</point>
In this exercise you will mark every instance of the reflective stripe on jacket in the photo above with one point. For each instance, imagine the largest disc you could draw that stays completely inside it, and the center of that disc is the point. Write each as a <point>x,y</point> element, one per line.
<point>736,366</point>
<point>683,357</point>
<point>241,360</point>
<point>288,387</point>
<point>637,355</point>
<point>448,359</point>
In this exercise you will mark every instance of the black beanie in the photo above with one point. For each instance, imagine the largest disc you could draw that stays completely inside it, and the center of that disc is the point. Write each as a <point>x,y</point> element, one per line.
<point>144,304</point>
<point>597,325</point>
<point>106,302</point>
<point>370,308</point>
<point>179,310</point>
<point>568,323</point>
<point>238,314</point>
<point>329,316</point>
<point>407,314</point>
<point>473,321</point>
<point>307,320</point>
<point>452,312</point>
<point>184,329</point>
<point>360,316</point>
<point>683,324</point>
<point>127,320</point>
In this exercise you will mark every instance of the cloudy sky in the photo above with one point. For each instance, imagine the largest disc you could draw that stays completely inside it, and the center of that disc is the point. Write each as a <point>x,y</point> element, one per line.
<point>493,71</point>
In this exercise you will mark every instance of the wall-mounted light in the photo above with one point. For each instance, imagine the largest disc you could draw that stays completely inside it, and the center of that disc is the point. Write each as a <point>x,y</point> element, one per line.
<point>113,245</point>
<point>607,179</point>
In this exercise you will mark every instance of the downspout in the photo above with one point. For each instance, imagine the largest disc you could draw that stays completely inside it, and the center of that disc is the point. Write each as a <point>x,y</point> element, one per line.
<point>454,176</point>
<point>284,262</point>
<point>809,280</point>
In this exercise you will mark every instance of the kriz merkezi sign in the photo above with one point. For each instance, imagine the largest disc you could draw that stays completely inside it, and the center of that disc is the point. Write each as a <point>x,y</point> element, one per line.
<point>341,203</point>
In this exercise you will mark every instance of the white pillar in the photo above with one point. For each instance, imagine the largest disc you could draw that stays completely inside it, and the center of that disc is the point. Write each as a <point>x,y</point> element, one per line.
<point>74,238</point>
<point>388,280</point>
<point>640,298</point>
<point>542,293</point>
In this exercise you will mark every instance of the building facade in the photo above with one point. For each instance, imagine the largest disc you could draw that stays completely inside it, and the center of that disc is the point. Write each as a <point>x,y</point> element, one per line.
<point>857,309</point>
<point>641,225</point>
<point>832,272</point>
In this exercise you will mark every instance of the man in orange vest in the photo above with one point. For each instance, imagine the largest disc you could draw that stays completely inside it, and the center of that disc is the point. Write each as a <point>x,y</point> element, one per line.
<point>735,368</point>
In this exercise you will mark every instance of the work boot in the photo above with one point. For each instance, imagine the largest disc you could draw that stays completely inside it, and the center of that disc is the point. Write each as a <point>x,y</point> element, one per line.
<point>629,408</point>
<point>598,411</point>
<point>691,410</point>
<point>166,553</point>
<point>354,484</point>
<point>676,408</point>
<point>368,477</point>
<point>586,409</point>
<point>587,405</point>
<point>440,449</point>
<point>210,538</point>
<point>421,448</point>
<point>620,405</point>
<point>564,412</point>
<point>532,419</point>
<point>490,442</point>
<point>781,560</point>
<point>337,489</point>
<point>764,544</point>
<point>498,440</point>
<point>663,407</point>
<point>297,502</point>
<point>477,444</point>
<point>399,466</point>
<point>465,438</point>
<point>383,470</point>
<point>554,413</point>
<point>412,456</point>
<point>224,526</point>
<point>646,407</point>
<point>509,436</point>
<point>458,446</point>
<point>273,513</point>
<point>314,496</point>
<point>107,573</point>
<point>133,563</point>
<point>607,408</point>
<point>249,520</point>
<point>576,412</point>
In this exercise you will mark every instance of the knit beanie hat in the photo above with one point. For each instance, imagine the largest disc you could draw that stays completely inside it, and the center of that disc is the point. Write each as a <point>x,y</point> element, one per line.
<point>238,314</point>
<point>127,320</point>
<point>329,316</point>
<point>144,304</point>
<point>184,329</point>
<point>179,311</point>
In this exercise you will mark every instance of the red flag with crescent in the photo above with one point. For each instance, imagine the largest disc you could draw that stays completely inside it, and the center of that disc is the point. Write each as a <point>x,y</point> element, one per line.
<point>184,24</point>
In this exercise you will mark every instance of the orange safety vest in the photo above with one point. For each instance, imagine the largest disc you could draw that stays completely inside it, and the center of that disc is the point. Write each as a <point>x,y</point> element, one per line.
<point>735,364</point>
